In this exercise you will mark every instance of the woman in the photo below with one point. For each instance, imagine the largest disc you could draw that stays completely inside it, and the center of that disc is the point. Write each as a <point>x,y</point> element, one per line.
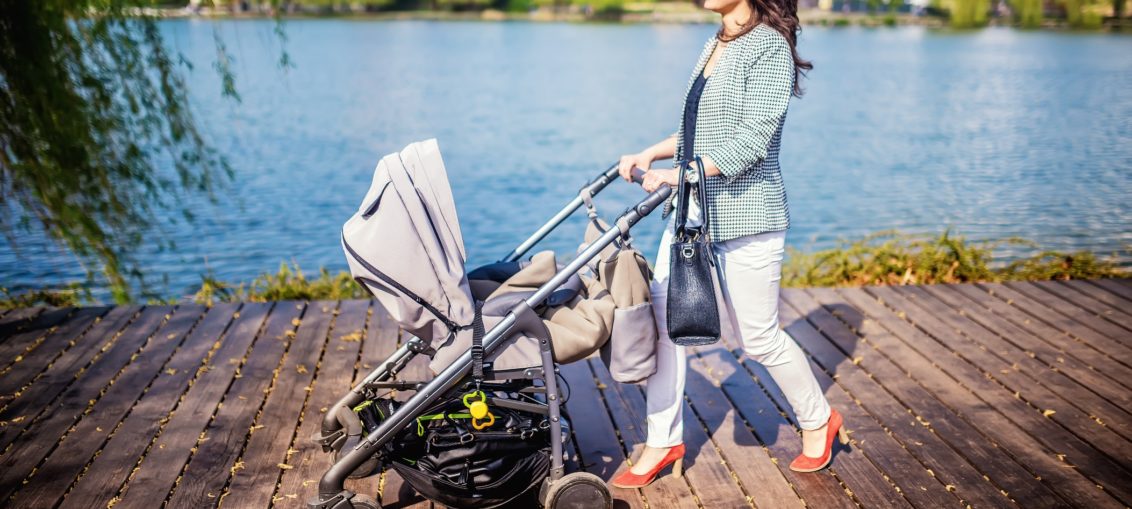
<point>733,118</point>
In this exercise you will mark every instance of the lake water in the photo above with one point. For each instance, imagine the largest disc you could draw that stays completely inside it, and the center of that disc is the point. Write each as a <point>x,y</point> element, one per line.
<point>993,133</point>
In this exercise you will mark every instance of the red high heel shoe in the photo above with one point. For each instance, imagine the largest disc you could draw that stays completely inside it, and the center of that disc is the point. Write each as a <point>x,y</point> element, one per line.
<point>675,457</point>
<point>834,428</point>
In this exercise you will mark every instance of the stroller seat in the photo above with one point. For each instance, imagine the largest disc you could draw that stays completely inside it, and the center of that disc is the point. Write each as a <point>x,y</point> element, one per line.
<point>578,315</point>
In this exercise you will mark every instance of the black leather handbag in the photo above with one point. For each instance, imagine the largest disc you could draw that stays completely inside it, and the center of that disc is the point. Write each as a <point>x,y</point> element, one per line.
<point>693,282</point>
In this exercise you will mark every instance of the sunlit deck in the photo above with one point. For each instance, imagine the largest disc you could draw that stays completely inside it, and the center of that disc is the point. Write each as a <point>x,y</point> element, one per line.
<point>1014,394</point>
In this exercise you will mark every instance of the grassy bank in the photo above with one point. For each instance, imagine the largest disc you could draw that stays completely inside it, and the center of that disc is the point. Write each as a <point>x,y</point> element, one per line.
<point>886,258</point>
<point>892,258</point>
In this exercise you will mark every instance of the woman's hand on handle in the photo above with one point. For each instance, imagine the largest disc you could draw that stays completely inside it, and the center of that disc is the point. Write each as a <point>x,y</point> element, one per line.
<point>639,160</point>
<point>664,149</point>
<point>654,179</point>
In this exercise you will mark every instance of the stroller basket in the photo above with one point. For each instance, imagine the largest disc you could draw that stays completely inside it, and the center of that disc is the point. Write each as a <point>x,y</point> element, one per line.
<point>478,434</point>
<point>443,457</point>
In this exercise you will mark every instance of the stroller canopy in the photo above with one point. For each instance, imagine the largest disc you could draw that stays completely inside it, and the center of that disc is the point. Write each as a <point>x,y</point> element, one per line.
<point>404,244</point>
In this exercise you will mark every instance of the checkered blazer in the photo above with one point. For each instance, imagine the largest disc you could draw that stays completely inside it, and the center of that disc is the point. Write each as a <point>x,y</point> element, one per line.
<point>739,126</point>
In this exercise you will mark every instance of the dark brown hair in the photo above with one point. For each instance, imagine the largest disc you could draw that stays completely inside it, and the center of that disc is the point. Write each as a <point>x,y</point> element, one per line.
<point>782,16</point>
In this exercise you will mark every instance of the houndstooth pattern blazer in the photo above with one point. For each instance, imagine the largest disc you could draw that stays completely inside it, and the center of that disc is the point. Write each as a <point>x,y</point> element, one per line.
<point>739,126</point>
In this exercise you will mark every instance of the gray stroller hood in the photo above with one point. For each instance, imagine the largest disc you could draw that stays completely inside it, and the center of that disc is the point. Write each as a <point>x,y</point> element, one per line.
<point>404,244</point>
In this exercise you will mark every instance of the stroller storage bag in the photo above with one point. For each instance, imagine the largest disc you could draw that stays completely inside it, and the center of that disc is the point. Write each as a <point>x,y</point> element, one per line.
<point>445,459</point>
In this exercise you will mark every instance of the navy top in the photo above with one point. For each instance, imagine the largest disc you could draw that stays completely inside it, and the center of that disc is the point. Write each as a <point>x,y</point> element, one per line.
<point>691,109</point>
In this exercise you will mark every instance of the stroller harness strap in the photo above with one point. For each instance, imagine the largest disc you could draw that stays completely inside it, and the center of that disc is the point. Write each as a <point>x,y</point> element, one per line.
<point>477,345</point>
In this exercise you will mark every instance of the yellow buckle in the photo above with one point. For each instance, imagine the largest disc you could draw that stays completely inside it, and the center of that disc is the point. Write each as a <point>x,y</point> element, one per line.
<point>479,426</point>
<point>478,409</point>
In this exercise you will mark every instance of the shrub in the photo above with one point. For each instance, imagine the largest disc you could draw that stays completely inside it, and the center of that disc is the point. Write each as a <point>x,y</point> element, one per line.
<point>892,258</point>
<point>288,283</point>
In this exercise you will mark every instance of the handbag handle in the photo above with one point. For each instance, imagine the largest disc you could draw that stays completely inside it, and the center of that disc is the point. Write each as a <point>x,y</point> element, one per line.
<point>682,199</point>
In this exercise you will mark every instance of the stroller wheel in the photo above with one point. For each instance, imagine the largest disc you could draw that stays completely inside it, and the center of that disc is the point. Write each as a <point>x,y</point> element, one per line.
<point>364,502</point>
<point>578,490</point>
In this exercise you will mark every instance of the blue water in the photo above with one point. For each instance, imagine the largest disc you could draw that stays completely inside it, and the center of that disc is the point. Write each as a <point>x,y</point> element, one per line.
<point>993,133</point>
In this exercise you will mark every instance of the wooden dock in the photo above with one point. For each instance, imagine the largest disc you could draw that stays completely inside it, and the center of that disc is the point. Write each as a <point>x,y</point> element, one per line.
<point>989,395</point>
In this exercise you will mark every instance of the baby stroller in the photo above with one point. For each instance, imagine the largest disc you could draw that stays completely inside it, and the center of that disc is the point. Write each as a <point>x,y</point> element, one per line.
<point>488,428</point>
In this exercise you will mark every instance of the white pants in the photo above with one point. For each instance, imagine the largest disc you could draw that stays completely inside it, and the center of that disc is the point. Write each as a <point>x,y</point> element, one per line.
<point>751,268</point>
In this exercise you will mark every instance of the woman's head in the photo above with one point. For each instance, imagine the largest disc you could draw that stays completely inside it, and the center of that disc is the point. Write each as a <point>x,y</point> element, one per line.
<point>779,15</point>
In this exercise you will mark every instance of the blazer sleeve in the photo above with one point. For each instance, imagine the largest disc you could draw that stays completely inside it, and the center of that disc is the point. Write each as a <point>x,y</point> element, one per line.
<point>769,83</point>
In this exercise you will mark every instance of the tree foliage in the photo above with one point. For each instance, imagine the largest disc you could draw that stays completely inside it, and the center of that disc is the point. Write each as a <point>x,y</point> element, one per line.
<point>1029,13</point>
<point>97,138</point>
<point>1081,13</point>
<point>969,13</point>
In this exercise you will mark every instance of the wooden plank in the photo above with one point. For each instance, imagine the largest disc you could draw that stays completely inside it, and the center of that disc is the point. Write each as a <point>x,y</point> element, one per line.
<point>774,430</point>
<point>1116,299</point>
<point>14,320</point>
<point>749,459</point>
<point>957,415</point>
<point>128,442</point>
<point>881,471</point>
<point>625,407</point>
<point>936,467</point>
<point>1119,287</point>
<point>208,472</point>
<point>1021,352</point>
<point>600,451</point>
<point>27,367</point>
<point>1033,389</point>
<point>113,385</point>
<point>1103,342</point>
<point>34,399</point>
<point>254,485</point>
<point>1080,337</point>
<point>1115,379</point>
<point>1041,430</point>
<point>162,466</point>
<point>26,336</point>
<point>48,422</point>
<point>705,472</point>
<point>1093,299</point>
<point>332,380</point>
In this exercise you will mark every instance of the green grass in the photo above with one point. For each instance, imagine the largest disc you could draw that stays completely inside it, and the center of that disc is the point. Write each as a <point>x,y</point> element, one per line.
<point>288,283</point>
<point>893,258</point>
<point>70,295</point>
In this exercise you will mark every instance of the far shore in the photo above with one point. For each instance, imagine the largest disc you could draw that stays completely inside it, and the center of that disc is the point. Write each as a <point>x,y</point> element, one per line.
<point>633,14</point>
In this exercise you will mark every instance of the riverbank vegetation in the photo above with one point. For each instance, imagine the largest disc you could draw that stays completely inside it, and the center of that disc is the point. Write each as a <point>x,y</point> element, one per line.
<point>886,258</point>
<point>1076,14</point>
<point>892,258</point>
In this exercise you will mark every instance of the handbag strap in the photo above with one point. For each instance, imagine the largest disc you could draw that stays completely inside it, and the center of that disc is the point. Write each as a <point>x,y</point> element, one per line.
<point>701,195</point>
<point>683,195</point>
<point>681,219</point>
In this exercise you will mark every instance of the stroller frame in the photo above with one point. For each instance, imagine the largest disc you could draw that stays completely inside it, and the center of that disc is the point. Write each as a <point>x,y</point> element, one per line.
<point>341,428</point>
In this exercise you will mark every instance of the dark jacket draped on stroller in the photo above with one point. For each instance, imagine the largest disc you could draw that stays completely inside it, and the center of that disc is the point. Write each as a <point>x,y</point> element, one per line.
<point>488,428</point>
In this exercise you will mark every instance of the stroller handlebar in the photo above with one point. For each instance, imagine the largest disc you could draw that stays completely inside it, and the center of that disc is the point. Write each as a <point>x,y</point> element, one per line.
<point>592,188</point>
<point>638,175</point>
